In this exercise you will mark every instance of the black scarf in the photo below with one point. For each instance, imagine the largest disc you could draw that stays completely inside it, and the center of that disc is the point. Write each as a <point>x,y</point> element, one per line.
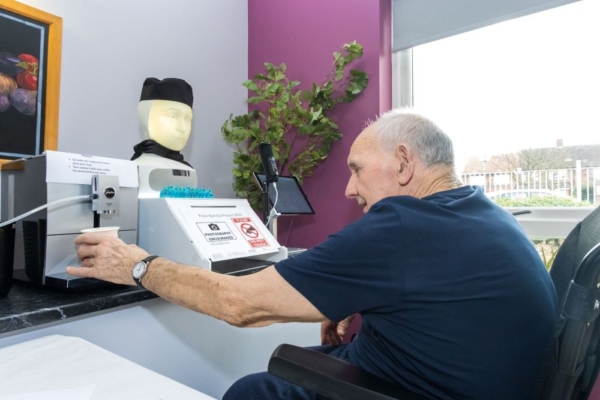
<point>150,146</point>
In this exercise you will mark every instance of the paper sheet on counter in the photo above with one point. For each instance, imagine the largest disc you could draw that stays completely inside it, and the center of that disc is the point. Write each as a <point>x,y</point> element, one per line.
<point>77,393</point>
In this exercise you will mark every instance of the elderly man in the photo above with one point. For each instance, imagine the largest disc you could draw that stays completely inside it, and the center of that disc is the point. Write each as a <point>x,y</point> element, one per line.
<point>455,301</point>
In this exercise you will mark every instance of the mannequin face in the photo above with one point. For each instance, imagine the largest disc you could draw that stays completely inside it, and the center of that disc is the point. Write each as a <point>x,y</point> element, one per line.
<point>170,123</point>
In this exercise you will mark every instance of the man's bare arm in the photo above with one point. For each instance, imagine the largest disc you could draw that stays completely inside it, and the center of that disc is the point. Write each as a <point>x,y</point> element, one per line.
<point>258,299</point>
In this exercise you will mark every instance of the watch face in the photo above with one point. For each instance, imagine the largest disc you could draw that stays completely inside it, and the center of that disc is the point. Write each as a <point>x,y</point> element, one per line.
<point>138,269</point>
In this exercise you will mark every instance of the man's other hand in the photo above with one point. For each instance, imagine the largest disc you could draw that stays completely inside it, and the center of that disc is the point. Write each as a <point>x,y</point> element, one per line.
<point>333,332</point>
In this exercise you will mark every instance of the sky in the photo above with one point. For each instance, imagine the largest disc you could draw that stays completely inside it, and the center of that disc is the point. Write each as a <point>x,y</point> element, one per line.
<point>515,85</point>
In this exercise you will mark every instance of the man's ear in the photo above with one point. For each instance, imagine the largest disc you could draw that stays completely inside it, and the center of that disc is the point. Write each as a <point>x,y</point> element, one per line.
<point>405,163</point>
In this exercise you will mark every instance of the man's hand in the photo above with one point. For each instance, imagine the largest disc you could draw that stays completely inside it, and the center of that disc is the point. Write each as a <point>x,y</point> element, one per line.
<point>106,258</point>
<point>332,332</point>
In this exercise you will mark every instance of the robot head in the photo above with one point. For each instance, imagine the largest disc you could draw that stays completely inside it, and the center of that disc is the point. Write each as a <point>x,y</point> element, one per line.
<point>165,111</point>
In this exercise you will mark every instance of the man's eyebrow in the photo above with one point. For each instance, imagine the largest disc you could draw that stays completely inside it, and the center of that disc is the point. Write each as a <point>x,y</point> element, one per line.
<point>352,164</point>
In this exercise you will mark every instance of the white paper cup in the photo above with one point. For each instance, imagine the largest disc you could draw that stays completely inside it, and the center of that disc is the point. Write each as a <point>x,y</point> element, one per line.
<point>103,231</point>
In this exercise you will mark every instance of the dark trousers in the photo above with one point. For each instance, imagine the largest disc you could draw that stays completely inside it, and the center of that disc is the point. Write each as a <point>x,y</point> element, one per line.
<point>264,386</point>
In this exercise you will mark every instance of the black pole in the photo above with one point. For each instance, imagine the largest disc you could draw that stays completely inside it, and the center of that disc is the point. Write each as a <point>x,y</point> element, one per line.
<point>266,203</point>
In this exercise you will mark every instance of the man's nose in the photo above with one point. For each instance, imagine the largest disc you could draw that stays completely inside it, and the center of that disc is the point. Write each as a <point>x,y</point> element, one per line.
<point>351,188</point>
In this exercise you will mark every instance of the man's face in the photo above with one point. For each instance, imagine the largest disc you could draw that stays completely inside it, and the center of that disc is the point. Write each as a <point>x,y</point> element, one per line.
<point>373,171</point>
<point>170,123</point>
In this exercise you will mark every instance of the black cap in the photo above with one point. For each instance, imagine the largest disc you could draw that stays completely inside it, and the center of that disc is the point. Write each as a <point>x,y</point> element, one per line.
<point>173,89</point>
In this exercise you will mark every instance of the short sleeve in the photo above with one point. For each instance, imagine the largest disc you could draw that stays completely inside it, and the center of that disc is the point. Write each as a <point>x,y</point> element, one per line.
<point>351,272</point>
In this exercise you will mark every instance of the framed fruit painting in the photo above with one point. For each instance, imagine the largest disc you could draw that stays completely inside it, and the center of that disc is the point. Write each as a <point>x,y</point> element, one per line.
<point>30,54</point>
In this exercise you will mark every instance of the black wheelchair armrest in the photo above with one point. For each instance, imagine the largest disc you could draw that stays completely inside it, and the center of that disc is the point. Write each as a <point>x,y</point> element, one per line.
<point>332,377</point>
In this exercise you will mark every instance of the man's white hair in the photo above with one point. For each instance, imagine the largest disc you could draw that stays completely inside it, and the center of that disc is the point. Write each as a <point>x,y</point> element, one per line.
<point>426,139</point>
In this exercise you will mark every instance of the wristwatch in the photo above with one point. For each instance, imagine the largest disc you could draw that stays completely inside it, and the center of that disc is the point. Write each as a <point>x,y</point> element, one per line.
<point>140,269</point>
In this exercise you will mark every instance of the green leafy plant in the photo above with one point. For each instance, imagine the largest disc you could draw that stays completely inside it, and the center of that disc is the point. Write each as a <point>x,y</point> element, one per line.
<point>549,260</point>
<point>547,249</point>
<point>296,122</point>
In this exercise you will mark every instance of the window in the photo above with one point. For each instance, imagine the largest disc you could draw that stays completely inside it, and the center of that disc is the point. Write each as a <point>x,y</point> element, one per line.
<point>521,101</point>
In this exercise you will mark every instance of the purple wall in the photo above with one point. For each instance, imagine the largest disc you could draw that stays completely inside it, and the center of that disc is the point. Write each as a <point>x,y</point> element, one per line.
<point>304,34</point>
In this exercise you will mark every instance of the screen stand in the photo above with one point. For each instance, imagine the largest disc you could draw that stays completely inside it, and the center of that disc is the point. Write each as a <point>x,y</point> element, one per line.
<point>267,210</point>
<point>273,225</point>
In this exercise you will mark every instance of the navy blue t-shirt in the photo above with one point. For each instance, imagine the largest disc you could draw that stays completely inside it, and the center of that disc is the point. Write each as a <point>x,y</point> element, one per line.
<point>455,301</point>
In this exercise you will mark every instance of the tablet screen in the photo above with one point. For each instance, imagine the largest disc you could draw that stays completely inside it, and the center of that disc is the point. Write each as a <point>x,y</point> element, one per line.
<point>291,199</point>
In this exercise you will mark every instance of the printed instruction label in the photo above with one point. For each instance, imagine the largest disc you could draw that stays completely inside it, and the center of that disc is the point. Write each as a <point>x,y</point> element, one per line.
<point>79,168</point>
<point>223,229</point>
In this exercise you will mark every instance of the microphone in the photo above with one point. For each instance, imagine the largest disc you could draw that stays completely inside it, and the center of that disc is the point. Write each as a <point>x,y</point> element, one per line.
<point>268,162</point>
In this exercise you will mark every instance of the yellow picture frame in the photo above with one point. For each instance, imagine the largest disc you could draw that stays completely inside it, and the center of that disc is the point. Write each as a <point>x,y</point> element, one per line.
<point>51,82</point>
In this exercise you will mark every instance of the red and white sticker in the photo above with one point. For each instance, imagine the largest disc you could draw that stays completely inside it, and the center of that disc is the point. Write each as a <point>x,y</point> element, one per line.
<point>250,232</point>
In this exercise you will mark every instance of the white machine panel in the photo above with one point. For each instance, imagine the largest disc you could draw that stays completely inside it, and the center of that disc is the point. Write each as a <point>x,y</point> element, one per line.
<point>204,231</point>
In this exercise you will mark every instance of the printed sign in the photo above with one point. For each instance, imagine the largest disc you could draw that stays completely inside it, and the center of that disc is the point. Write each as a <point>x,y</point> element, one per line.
<point>250,232</point>
<point>216,231</point>
<point>216,228</point>
<point>79,168</point>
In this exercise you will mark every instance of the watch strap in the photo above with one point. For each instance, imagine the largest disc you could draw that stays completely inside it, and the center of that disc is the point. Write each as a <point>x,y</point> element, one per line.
<point>146,261</point>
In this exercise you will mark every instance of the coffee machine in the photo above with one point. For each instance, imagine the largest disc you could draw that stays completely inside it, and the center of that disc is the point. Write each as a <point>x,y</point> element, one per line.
<point>71,192</point>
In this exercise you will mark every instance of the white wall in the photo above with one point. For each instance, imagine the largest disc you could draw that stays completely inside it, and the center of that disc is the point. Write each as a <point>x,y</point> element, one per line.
<point>109,47</point>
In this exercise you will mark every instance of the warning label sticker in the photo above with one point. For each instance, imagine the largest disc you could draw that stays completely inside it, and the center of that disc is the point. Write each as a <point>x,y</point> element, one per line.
<point>216,231</point>
<point>249,232</point>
